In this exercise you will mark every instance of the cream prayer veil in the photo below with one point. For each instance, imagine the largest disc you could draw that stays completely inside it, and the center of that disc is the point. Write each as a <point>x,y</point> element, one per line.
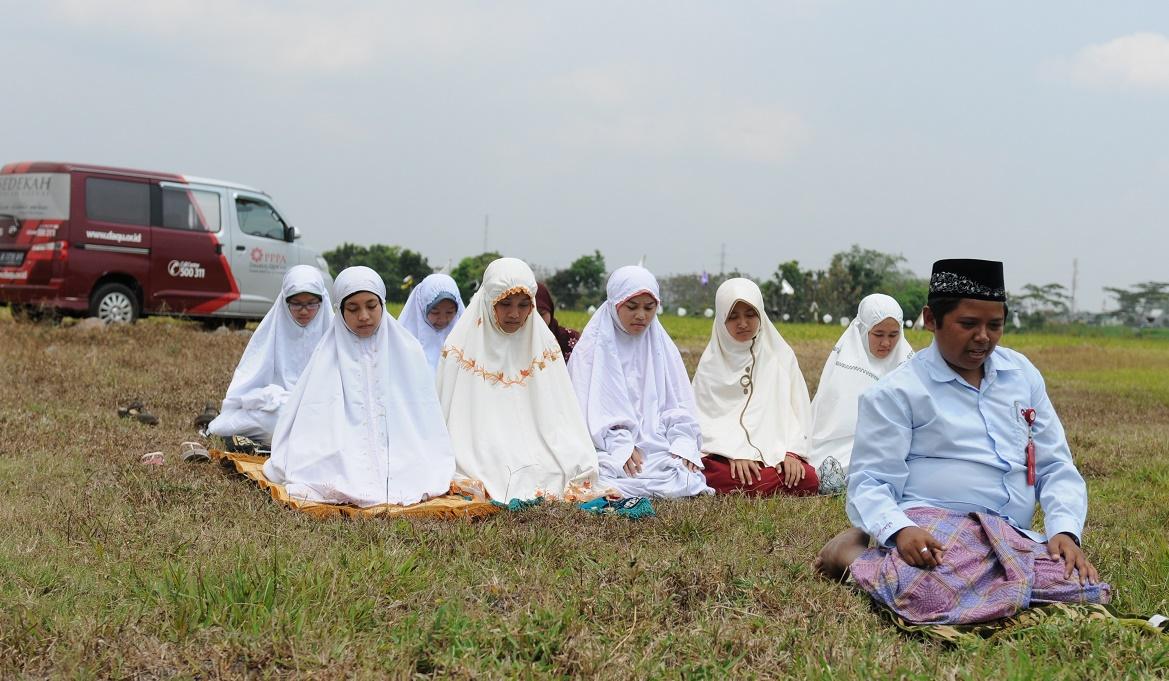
<point>276,355</point>
<point>850,370</point>
<point>508,402</point>
<point>752,401</point>
<point>363,425</point>
<point>428,293</point>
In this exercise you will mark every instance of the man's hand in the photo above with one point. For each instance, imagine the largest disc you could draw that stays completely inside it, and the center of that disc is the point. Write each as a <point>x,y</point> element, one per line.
<point>633,465</point>
<point>745,471</point>
<point>792,470</point>
<point>1063,546</point>
<point>918,547</point>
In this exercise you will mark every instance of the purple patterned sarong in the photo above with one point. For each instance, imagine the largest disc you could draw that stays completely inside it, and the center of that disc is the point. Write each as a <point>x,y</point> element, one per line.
<point>988,571</point>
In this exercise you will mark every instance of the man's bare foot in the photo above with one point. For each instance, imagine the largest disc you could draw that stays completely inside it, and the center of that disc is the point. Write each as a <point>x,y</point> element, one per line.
<point>839,552</point>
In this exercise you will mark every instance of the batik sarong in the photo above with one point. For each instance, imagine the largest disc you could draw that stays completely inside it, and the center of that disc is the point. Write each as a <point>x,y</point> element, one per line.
<point>988,571</point>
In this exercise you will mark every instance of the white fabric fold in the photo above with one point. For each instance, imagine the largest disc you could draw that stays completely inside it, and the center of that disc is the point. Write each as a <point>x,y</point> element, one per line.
<point>276,355</point>
<point>432,290</point>
<point>849,370</point>
<point>363,425</point>
<point>634,392</point>
<point>751,398</point>
<point>508,401</point>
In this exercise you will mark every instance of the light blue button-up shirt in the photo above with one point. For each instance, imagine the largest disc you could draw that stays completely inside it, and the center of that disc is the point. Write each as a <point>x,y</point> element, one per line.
<point>926,437</point>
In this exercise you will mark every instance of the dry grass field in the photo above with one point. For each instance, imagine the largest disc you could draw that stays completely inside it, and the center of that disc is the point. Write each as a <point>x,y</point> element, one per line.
<point>113,569</point>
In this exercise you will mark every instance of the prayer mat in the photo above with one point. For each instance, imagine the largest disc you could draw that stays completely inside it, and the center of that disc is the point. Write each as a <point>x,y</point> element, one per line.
<point>955,634</point>
<point>451,505</point>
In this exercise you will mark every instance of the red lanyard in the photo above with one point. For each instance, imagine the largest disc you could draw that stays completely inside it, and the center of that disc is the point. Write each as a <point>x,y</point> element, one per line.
<point>1029,417</point>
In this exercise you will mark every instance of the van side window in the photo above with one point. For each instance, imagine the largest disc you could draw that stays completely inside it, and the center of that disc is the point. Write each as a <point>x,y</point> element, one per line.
<point>259,219</point>
<point>117,201</point>
<point>180,212</point>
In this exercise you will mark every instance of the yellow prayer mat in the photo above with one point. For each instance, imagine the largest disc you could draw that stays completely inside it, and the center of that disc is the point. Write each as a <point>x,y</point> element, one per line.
<point>451,505</point>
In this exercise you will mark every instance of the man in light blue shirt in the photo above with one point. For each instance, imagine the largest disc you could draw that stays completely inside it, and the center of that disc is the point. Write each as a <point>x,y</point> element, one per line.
<point>963,426</point>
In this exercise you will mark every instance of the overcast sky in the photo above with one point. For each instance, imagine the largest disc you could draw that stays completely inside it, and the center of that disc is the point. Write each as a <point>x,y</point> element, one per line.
<point>1031,132</point>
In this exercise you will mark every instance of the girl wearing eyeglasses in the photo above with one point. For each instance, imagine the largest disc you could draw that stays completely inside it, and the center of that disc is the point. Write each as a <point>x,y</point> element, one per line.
<point>276,355</point>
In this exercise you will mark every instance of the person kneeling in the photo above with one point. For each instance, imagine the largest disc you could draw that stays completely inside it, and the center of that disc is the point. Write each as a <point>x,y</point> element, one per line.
<point>952,451</point>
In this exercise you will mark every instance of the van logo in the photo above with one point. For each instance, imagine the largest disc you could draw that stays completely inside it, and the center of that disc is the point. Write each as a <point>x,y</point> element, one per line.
<point>257,255</point>
<point>185,269</point>
<point>266,260</point>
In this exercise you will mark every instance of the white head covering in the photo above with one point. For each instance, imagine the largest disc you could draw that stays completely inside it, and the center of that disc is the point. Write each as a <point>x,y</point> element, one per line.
<point>428,293</point>
<point>280,348</point>
<point>363,425</point>
<point>850,370</point>
<point>508,401</point>
<point>636,382</point>
<point>752,400</point>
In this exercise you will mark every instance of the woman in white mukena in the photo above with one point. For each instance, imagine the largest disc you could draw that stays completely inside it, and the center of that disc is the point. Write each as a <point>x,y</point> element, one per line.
<point>275,357</point>
<point>507,398</point>
<point>871,346</point>
<point>636,395</point>
<point>363,425</point>
<point>430,313</point>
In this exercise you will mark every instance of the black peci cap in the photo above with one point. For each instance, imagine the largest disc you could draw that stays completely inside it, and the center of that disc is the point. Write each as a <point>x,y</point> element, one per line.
<point>968,278</point>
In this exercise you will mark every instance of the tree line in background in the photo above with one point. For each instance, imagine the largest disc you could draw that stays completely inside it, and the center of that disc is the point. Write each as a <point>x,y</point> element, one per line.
<point>792,293</point>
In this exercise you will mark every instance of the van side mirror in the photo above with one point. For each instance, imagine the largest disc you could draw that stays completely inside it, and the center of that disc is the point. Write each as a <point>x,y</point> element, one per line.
<point>292,234</point>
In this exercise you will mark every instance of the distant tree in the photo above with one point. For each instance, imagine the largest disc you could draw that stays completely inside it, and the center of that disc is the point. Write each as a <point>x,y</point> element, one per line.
<point>580,284</point>
<point>851,275</point>
<point>1136,305</point>
<point>398,267</point>
<point>468,274</point>
<point>1038,306</point>
<point>796,304</point>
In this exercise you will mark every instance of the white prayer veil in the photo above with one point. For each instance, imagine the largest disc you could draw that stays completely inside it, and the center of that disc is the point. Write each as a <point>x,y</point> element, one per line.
<point>363,425</point>
<point>633,382</point>
<point>849,370</point>
<point>432,290</point>
<point>280,348</point>
<point>277,353</point>
<point>508,401</point>
<point>752,401</point>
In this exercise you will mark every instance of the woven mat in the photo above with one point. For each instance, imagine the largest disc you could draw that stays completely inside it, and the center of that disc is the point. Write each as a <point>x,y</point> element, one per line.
<point>451,505</point>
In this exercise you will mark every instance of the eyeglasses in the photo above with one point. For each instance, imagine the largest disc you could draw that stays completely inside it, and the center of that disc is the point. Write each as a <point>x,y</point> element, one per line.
<point>301,307</point>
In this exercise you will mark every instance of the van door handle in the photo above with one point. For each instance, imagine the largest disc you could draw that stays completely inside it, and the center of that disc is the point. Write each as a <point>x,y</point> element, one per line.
<point>218,249</point>
<point>240,248</point>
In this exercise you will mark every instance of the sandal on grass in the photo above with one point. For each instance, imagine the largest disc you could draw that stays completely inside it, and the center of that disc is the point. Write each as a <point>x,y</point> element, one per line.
<point>147,418</point>
<point>152,459</point>
<point>132,408</point>
<point>194,452</point>
<point>205,417</point>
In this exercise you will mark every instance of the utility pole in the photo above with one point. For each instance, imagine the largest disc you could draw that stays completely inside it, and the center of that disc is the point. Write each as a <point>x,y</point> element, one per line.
<point>1075,283</point>
<point>722,260</point>
<point>486,224</point>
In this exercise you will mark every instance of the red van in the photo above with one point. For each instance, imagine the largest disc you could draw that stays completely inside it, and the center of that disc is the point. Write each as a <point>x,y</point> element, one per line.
<point>117,243</point>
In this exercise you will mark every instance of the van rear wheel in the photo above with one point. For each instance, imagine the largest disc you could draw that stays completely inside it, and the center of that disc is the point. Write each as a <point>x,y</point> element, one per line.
<point>114,304</point>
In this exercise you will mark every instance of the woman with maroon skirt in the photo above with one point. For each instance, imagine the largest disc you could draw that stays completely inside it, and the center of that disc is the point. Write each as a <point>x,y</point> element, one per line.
<point>751,401</point>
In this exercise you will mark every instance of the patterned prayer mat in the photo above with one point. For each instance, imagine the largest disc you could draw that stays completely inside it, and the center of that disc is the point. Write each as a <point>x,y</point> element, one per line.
<point>451,505</point>
<point>955,634</point>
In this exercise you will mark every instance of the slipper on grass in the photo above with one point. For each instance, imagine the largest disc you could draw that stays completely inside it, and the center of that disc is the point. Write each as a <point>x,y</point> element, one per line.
<point>132,408</point>
<point>205,417</point>
<point>147,418</point>
<point>152,459</point>
<point>194,452</point>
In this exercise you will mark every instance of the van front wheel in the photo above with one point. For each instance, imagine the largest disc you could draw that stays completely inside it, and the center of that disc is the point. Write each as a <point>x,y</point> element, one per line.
<point>114,304</point>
